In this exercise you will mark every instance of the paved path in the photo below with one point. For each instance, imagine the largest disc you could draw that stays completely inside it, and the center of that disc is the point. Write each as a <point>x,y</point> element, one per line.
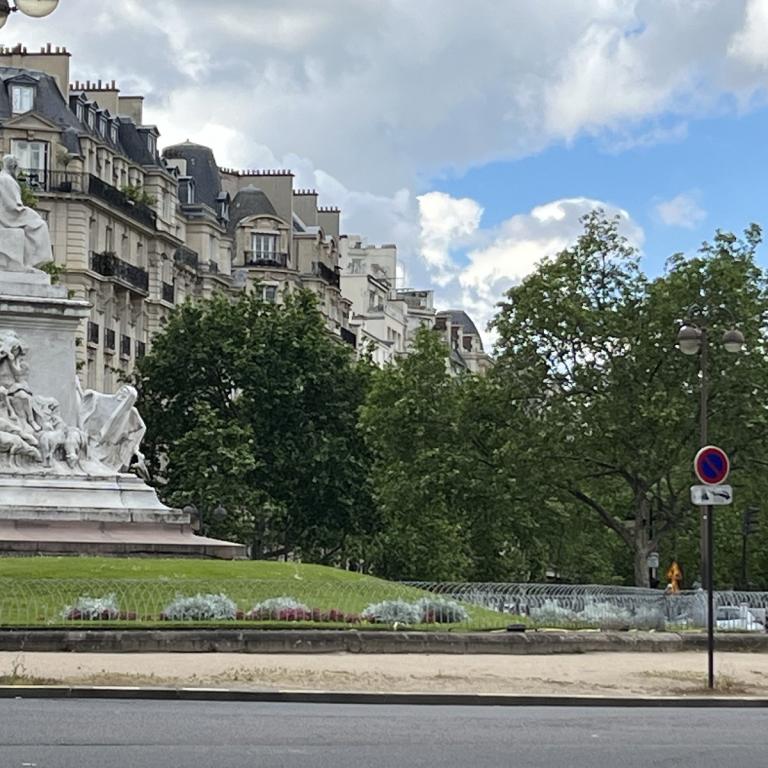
<point>140,734</point>
<point>612,674</point>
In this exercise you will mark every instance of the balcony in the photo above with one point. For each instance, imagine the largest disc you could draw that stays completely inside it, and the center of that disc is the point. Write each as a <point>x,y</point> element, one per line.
<point>93,333</point>
<point>169,293</point>
<point>42,180</point>
<point>125,346</point>
<point>109,340</point>
<point>186,257</point>
<point>331,276</point>
<point>118,199</point>
<point>266,259</point>
<point>108,264</point>
<point>39,180</point>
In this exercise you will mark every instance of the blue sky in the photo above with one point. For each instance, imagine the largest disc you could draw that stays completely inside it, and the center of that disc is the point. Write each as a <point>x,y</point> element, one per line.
<point>721,163</point>
<point>474,134</point>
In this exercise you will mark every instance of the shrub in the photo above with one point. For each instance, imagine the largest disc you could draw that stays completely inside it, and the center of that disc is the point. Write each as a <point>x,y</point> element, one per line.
<point>393,611</point>
<point>551,612</point>
<point>278,608</point>
<point>93,608</point>
<point>441,610</point>
<point>200,608</point>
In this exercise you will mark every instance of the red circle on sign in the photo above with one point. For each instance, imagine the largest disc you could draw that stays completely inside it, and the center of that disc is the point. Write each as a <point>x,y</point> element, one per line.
<point>711,465</point>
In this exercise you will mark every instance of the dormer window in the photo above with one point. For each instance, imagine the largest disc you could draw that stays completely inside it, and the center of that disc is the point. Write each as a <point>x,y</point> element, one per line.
<point>222,202</point>
<point>91,117</point>
<point>152,144</point>
<point>22,98</point>
<point>113,131</point>
<point>186,190</point>
<point>103,126</point>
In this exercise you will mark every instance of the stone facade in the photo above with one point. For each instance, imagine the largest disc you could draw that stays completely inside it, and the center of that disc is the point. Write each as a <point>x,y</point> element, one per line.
<point>136,231</point>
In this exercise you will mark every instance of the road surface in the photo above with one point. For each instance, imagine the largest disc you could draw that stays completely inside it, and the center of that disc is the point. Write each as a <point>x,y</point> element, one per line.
<point>151,734</point>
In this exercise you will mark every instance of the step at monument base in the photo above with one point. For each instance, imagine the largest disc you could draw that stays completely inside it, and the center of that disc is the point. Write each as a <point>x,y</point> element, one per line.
<point>27,537</point>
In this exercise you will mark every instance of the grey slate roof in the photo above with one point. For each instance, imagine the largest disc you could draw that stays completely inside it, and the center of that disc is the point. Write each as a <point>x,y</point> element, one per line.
<point>459,317</point>
<point>133,143</point>
<point>48,101</point>
<point>51,104</point>
<point>249,201</point>
<point>201,166</point>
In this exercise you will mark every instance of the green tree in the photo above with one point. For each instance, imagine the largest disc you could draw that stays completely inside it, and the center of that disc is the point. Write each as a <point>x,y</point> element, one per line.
<point>252,405</point>
<point>603,405</point>
<point>438,497</point>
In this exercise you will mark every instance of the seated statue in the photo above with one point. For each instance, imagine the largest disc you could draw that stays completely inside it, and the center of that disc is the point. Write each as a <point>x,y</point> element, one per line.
<point>112,426</point>
<point>15,215</point>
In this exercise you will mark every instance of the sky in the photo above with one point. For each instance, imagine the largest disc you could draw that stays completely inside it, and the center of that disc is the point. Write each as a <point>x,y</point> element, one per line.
<point>474,134</point>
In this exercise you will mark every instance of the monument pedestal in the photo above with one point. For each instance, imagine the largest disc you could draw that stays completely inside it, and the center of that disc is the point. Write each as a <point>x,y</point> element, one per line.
<point>57,494</point>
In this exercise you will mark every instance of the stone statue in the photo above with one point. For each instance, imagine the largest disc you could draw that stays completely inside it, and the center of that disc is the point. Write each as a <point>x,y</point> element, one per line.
<point>113,427</point>
<point>14,215</point>
<point>15,393</point>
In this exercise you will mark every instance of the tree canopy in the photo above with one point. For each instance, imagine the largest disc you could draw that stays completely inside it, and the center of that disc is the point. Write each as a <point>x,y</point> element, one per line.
<point>253,406</point>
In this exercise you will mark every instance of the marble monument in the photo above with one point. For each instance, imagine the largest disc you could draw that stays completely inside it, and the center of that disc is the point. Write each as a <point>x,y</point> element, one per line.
<point>70,459</point>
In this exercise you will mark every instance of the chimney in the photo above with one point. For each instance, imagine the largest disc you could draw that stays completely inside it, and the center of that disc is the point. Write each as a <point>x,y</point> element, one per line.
<point>53,62</point>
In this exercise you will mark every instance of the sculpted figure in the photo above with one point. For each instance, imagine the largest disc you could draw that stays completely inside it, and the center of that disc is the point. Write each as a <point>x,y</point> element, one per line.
<point>15,215</point>
<point>113,426</point>
<point>15,446</point>
<point>57,437</point>
<point>14,389</point>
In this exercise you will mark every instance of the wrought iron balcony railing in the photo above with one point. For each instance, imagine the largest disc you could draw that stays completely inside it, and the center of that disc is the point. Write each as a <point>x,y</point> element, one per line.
<point>266,259</point>
<point>108,264</point>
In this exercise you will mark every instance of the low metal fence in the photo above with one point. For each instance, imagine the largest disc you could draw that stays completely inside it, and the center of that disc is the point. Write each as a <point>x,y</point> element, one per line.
<point>365,601</point>
<point>605,606</point>
<point>359,602</point>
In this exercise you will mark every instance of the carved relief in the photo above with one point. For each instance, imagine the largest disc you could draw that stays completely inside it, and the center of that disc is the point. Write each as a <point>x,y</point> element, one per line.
<point>34,437</point>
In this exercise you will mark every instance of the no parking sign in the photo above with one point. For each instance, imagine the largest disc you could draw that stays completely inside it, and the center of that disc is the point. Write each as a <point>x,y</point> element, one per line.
<point>711,465</point>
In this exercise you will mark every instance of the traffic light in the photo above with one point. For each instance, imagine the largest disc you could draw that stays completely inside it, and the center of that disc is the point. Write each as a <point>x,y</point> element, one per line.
<point>750,523</point>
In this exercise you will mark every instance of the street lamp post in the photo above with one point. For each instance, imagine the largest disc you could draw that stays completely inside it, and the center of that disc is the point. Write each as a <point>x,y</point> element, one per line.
<point>34,8</point>
<point>693,339</point>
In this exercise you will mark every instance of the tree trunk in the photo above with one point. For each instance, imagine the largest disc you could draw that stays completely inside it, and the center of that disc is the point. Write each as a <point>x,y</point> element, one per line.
<point>642,546</point>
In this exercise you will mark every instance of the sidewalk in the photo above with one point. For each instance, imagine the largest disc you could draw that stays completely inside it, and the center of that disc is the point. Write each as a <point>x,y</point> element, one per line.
<point>606,674</point>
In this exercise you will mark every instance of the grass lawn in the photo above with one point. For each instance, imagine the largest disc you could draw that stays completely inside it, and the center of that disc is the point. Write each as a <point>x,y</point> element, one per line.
<point>34,591</point>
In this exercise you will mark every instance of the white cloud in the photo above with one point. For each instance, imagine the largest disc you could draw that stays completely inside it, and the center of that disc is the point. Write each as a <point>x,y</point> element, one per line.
<point>387,94</point>
<point>445,222</point>
<point>681,211</point>
<point>368,100</point>
<point>750,43</point>
<point>515,248</point>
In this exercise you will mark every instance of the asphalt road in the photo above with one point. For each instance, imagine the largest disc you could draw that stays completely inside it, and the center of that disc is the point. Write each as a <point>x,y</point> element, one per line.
<point>144,734</point>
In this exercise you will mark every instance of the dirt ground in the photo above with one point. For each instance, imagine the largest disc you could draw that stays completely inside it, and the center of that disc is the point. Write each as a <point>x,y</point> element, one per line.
<point>615,674</point>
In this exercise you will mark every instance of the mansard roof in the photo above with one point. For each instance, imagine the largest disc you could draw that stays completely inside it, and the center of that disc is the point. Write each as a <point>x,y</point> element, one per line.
<point>249,201</point>
<point>201,166</point>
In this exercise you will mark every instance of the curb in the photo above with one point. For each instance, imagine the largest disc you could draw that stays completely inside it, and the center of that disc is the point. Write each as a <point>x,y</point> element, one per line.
<point>380,698</point>
<point>364,642</point>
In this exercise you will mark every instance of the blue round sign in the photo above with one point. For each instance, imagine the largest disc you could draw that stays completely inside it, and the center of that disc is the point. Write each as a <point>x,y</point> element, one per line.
<point>711,465</point>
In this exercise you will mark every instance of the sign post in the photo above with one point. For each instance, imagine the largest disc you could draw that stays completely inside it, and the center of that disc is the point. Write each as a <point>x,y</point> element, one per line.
<point>711,466</point>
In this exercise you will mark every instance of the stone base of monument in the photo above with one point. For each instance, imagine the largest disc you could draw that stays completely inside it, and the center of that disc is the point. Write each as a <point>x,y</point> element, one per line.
<point>61,449</point>
<point>121,515</point>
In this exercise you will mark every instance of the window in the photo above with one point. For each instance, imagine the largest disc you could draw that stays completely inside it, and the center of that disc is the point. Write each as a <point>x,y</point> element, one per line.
<point>22,98</point>
<point>32,155</point>
<point>187,191</point>
<point>103,126</point>
<point>151,144</point>
<point>113,132</point>
<point>91,117</point>
<point>264,246</point>
<point>267,293</point>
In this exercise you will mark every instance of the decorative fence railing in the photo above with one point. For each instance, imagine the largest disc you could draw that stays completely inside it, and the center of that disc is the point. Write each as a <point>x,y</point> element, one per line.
<point>604,606</point>
<point>49,602</point>
<point>57,602</point>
